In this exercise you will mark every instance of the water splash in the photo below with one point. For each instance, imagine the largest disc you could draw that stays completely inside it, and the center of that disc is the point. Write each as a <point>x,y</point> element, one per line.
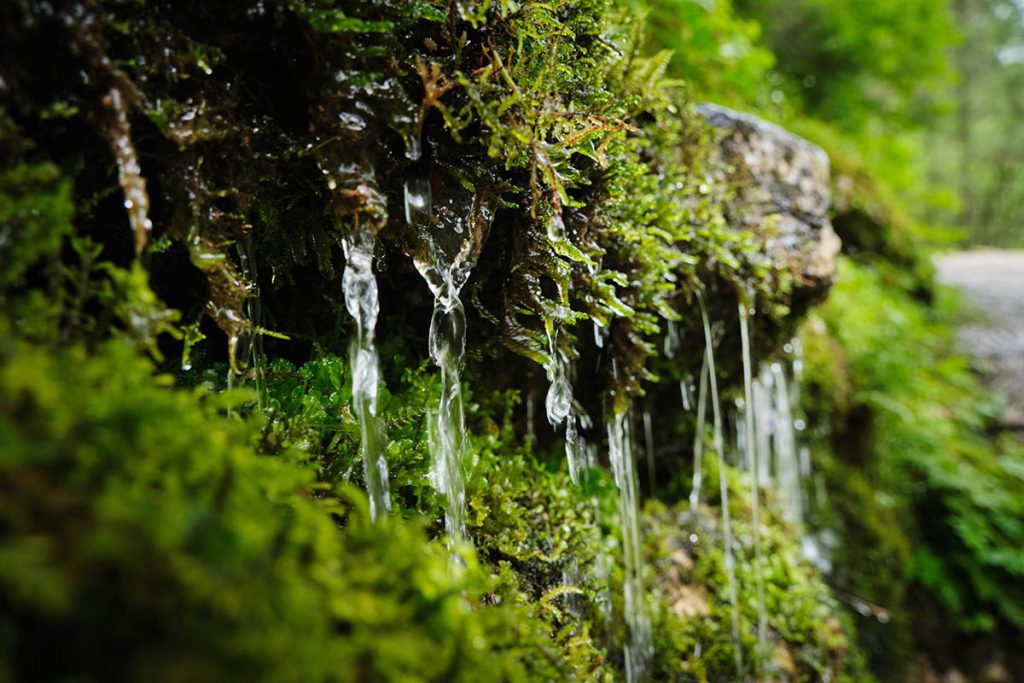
<point>129,171</point>
<point>751,452</point>
<point>360,288</point>
<point>719,445</point>
<point>639,650</point>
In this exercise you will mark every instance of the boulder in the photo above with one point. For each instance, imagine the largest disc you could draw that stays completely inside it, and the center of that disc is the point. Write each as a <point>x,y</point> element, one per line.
<point>781,193</point>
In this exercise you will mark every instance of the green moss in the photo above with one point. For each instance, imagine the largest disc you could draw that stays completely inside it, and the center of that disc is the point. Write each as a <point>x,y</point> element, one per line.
<point>807,641</point>
<point>216,531</point>
<point>124,497</point>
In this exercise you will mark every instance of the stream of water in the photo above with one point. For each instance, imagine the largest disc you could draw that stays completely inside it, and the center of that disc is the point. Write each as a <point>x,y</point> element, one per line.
<point>751,456</point>
<point>639,649</point>
<point>360,288</point>
<point>450,232</point>
<point>129,171</point>
<point>559,407</point>
<point>719,445</point>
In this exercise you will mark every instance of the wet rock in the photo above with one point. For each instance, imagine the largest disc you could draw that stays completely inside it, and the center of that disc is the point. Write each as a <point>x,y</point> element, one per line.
<point>782,193</point>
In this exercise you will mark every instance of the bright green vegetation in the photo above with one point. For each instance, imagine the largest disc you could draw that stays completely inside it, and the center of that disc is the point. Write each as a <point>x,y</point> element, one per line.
<point>927,502</point>
<point>156,524</point>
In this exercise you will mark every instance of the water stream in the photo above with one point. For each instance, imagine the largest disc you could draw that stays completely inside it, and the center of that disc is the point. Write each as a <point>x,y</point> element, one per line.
<point>751,452</point>
<point>451,237</point>
<point>639,649</point>
<point>360,287</point>
<point>719,445</point>
<point>698,434</point>
<point>129,172</point>
<point>559,407</point>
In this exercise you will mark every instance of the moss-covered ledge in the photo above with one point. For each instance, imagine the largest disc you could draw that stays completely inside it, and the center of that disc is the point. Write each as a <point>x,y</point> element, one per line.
<point>179,189</point>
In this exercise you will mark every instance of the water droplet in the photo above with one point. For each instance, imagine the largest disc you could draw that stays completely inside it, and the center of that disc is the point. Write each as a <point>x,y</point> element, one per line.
<point>413,148</point>
<point>417,200</point>
<point>556,227</point>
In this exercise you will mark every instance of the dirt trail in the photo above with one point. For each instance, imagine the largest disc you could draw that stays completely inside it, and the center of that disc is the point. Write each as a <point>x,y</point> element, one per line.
<point>993,282</point>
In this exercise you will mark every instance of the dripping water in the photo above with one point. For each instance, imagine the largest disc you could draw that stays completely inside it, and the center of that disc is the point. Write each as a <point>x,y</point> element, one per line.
<point>129,172</point>
<point>787,460</point>
<point>750,451</point>
<point>649,451</point>
<point>361,300</point>
<point>558,405</point>
<point>450,244</point>
<point>639,649</point>
<point>698,436</point>
<point>730,558</point>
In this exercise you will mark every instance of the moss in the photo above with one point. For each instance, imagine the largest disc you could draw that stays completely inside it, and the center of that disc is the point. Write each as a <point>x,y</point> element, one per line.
<point>806,641</point>
<point>122,497</point>
<point>179,452</point>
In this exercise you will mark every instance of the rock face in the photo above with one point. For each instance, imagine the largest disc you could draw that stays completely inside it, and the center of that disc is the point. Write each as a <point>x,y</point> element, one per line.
<point>782,192</point>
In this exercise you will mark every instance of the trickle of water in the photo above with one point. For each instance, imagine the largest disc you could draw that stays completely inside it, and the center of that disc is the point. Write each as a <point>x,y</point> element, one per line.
<point>649,451</point>
<point>558,404</point>
<point>750,448</point>
<point>787,459</point>
<point>764,421</point>
<point>719,444</point>
<point>129,172</point>
<point>360,287</point>
<point>639,650</point>
<point>698,435</point>
<point>686,392</point>
<point>447,438</point>
<point>451,241</point>
<point>253,348</point>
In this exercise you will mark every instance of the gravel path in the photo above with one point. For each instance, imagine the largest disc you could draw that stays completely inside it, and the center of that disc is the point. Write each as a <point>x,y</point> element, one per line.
<point>993,283</point>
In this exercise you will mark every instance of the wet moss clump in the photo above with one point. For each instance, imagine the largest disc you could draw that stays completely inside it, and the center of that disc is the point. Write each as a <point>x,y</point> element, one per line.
<point>180,461</point>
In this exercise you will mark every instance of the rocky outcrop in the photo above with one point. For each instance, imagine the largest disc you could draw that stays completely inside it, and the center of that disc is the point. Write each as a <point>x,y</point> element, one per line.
<point>782,192</point>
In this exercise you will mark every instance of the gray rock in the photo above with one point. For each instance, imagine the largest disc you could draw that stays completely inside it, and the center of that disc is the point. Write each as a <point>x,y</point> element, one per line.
<point>782,192</point>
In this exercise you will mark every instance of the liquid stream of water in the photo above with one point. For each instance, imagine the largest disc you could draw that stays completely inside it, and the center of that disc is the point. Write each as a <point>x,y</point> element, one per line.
<point>751,456</point>
<point>639,649</point>
<point>360,287</point>
<point>719,445</point>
